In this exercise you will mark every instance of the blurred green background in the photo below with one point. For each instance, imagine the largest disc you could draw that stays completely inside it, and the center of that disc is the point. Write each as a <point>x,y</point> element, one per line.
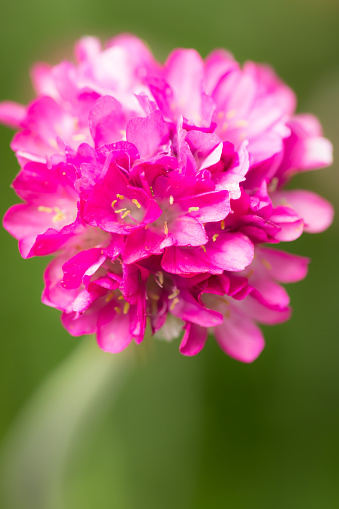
<point>203,432</point>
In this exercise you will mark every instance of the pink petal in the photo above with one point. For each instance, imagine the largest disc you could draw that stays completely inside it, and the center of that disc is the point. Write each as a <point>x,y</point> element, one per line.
<point>239,337</point>
<point>261,311</point>
<point>194,339</point>
<point>306,149</point>
<point>184,72</point>
<point>76,268</point>
<point>230,251</point>
<point>284,267</point>
<point>12,114</point>
<point>54,294</point>
<point>189,309</point>
<point>141,244</point>
<point>43,81</point>
<point>113,330</point>
<point>217,65</point>
<point>187,231</point>
<point>107,121</point>
<point>316,212</point>
<point>211,207</point>
<point>147,134</point>
<point>87,48</point>
<point>290,224</point>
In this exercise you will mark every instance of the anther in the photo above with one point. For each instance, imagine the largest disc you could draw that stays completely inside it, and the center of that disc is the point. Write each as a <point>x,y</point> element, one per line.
<point>241,123</point>
<point>230,114</point>
<point>174,303</point>
<point>136,203</point>
<point>160,278</point>
<point>45,209</point>
<point>174,294</point>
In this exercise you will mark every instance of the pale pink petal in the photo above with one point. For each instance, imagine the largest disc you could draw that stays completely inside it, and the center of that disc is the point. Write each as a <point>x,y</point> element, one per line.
<point>261,311</point>
<point>284,267</point>
<point>87,48</point>
<point>184,72</point>
<point>316,212</point>
<point>290,223</point>
<point>107,121</point>
<point>12,114</point>
<point>43,81</point>
<point>240,338</point>
<point>147,134</point>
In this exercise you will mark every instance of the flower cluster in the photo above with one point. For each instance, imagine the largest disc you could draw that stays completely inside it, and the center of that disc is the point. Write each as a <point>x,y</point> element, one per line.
<point>159,189</point>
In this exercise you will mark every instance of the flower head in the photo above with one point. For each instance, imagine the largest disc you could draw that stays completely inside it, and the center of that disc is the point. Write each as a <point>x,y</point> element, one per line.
<point>159,189</point>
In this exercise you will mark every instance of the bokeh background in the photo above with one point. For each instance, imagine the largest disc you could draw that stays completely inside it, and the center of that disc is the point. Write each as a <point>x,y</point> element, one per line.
<point>184,433</point>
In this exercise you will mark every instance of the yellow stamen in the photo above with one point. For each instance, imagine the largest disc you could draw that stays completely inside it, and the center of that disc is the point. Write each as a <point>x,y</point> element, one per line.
<point>160,277</point>
<point>165,228</point>
<point>121,297</point>
<point>59,216</point>
<point>117,310</point>
<point>120,210</point>
<point>126,308</point>
<point>109,296</point>
<point>241,123</point>
<point>136,203</point>
<point>250,273</point>
<point>222,224</point>
<point>151,189</point>
<point>53,143</point>
<point>230,114</point>
<point>120,196</point>
<point>193,209</point>
<point>174,294</point>
<point>45,209</point>
<point>113,203</point>
<point>79,137</point>
<point>154,296</point>
<point>171,200</point>
<point>274,184</point>
<point>125,214</point>
<point>215,236</point>
<point>266,264</point>
<point>154,307</point>
<point>203,248</point>
<point>174,303</point>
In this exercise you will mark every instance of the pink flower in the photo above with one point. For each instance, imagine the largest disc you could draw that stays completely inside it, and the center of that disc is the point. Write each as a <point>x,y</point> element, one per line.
<point>159,189</point>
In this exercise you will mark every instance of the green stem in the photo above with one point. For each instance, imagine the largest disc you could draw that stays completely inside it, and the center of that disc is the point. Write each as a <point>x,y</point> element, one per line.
<point>36,450</point>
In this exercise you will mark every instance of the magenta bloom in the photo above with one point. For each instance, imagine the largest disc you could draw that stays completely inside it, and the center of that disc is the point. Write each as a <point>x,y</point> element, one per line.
<point>159,189</point>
